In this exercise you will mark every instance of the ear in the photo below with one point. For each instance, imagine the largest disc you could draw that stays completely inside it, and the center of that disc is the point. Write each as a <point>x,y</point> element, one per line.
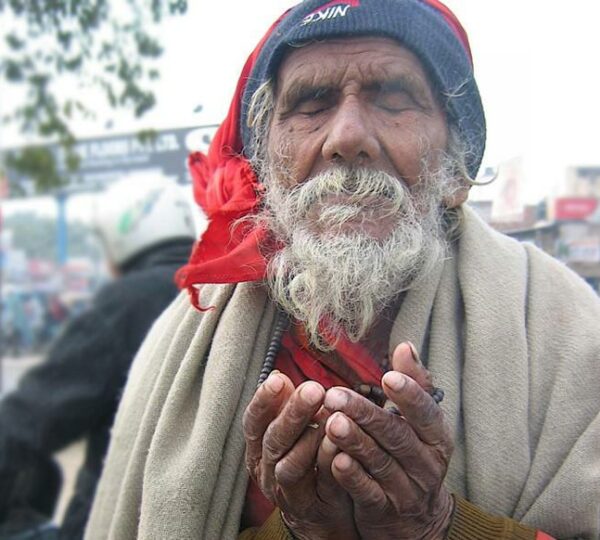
<point>458,197</point>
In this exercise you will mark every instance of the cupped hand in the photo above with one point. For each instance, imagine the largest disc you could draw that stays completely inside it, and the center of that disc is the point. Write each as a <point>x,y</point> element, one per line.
<point>284,428</point>
<point>393,465</point>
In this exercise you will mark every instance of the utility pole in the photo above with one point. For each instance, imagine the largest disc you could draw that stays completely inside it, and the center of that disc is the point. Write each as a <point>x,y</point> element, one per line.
<point>62,229</point>
<point>3,194</point>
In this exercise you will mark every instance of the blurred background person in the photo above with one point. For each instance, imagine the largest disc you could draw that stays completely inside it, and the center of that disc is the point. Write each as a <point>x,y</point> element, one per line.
<point>147,229</point>
<point>15,326</point>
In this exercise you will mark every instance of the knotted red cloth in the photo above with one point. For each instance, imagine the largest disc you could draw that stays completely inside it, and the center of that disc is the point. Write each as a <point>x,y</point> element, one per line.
<point>227,189</point>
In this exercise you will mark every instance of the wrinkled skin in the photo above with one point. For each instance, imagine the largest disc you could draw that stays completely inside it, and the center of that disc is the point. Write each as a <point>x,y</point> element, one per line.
<point>392,465</point>
<point>281,456</point>
<point>364,472</point>
<point>363,102</point>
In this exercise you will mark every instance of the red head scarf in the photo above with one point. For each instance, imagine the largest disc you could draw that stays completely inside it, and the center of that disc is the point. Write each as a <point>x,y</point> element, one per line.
<point>227,189</point>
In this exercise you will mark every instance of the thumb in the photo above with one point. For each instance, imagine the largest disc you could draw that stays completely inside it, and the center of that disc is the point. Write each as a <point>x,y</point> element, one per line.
<point>406,360</point>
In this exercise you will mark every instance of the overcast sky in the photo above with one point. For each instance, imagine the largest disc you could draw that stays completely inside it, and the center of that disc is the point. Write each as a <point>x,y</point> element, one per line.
<point>536,63</point>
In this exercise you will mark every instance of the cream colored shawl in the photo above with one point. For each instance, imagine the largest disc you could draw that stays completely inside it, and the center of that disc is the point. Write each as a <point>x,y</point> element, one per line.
<point>512,336</point>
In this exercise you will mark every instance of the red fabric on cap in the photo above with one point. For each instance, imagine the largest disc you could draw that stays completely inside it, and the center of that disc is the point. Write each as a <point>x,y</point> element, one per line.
<point>227,189</point>
<point>453,23</point>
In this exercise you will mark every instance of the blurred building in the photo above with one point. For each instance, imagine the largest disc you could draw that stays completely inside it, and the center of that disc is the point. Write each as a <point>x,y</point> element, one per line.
<point>105,159</point>
<point>566,226</point>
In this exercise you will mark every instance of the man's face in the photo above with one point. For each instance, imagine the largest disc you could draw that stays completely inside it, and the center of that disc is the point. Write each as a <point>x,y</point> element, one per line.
<point>355,177</point>
<point>358,102</point>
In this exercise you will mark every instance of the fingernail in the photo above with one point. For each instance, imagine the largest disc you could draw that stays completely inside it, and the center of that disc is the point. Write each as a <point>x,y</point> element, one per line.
<point>311,393</point>
<point>414,353</point>
<point>328,446</point>
<point>335,399</point>
<point>339,426</point>
<point>395,380</point>
<point>274,383</point>
<point>342,462</point>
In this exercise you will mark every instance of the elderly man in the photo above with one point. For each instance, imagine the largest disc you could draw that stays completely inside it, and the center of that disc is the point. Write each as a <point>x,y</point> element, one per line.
<point>337,256</point>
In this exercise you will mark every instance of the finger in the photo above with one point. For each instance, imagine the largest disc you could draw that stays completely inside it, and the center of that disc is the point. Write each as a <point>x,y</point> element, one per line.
<point>356,443</point>
<point>328,488</point>
<point>286,428</point>
<point>401,457</point>
<point>265,405</point>
<point>390,431</point>
<point>406,360</point>
<point>418,408</point>
<point>369,416</point>
<point>327,451</point>
<point>365,492</point>
<point>298,465</point>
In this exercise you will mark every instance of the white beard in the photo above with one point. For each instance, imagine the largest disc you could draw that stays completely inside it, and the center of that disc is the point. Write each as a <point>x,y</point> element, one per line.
<point>331,268</point>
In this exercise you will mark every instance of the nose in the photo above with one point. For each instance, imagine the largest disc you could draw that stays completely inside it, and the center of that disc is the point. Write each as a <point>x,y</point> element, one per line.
<point>350,138</point>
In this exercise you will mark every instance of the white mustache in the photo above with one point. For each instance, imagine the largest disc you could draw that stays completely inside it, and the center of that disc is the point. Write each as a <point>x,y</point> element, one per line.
<point>352,189</point>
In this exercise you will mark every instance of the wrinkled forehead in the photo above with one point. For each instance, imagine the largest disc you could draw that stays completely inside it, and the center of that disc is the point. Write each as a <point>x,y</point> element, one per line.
<point>366,61</point>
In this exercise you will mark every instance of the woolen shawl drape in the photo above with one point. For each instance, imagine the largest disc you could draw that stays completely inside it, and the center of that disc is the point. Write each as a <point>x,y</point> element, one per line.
<point>509,333</point>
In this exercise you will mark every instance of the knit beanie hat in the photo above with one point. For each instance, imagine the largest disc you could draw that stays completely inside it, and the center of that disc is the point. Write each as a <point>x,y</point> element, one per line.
<point>425,27</point>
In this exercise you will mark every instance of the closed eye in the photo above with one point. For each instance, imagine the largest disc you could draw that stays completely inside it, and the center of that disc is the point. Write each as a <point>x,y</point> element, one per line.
<point>396,95</point>
<point>308,100</point>
<point>314,101</point>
